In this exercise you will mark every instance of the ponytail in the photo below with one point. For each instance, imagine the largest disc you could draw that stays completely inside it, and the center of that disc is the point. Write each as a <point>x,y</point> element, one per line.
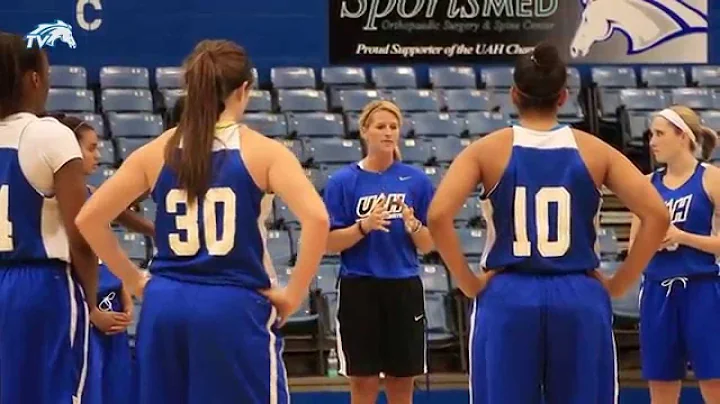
<point>707,139</point>
<point>196,129</point>
<point>15,60</point>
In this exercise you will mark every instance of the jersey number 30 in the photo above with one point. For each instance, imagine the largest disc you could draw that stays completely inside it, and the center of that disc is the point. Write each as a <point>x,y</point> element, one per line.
<point>6,228</point>
<point>217,244</point>
<point>543,198</point>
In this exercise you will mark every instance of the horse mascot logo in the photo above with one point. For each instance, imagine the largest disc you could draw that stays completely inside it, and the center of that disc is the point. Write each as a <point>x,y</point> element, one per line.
<point>48,34</point>
<point>645,23</point>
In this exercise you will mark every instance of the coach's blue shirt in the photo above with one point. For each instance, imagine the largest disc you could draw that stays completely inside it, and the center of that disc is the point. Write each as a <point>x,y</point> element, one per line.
<point>350,195</point>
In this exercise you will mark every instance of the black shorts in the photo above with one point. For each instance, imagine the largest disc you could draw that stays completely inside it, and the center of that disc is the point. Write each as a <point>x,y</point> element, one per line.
<point>381,327</point>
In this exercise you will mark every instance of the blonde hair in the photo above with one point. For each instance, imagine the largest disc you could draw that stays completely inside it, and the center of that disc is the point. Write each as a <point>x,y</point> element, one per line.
<point>707,138</point>
<point>366,115</point>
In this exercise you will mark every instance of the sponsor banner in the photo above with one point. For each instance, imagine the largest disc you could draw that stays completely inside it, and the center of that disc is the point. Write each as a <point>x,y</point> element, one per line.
<point>487,31</point>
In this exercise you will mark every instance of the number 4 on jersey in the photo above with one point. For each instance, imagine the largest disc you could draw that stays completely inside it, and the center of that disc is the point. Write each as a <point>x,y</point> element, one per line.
<point>6,228</point>
<point>543,198</point>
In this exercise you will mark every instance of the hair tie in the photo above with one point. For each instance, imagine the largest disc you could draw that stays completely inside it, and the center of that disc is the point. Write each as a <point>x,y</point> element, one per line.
<point>534,60</point>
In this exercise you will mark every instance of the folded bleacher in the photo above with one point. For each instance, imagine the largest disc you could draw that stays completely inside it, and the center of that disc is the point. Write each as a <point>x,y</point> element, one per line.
<point>315,114</point>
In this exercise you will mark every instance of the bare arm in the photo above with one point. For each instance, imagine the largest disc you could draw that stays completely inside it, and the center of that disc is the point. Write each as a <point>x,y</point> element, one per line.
<point>287,179</point>
<point>106,204</point>
<point>634,225</point>
<point>71,193</point>
<point>460,181</point>
<point>340,240</point>
<point>709,244</point>
<point>641,198</point>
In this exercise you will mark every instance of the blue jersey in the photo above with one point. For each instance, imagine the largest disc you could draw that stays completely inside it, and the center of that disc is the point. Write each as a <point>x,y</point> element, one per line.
<point>691,210</point>
<point>351,194</point>
<point>217,239</point>
<point>542,214</point>
<point>31,227</point>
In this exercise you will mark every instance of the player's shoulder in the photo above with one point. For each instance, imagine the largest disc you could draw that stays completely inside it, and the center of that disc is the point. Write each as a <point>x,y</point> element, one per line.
<point>48,127</point>
<point>588,139</point>
<point>711,172</point>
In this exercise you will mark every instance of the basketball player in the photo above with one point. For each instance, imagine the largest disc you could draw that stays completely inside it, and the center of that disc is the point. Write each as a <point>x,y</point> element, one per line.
<point>680,298</point>
<point>542,328</point>
<point>209,324</point>
<point>43,315</point>
<point>110,359</point>
<point>378,210</point>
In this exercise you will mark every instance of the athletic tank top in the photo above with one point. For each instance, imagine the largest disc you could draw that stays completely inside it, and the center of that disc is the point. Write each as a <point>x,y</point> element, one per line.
<point>542,215</point>
<point>219,239</point>
<point>691,210</point>
<point>31,227</point>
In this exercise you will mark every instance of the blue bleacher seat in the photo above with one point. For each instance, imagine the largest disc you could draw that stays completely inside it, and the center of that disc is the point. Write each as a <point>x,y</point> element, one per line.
<point>411,100</point>
<point>343,76</point>
<point>434,279</point>
<point>124,77</point>
<point>316,124</point>
<point>272,125</point>
<point>465,100</point>
<point>170,97</point>
<point>445,149</point>
<point>127,100</point>
<point>627,306</point>
<point>573,78</point>
<point>431,124</point>
<point>469,211</point>
<point>133,244</point>
<point>278,246</point>
<point>169,77</point>
<point>355,100</point>
<point>482,123</point>
<point>284,217</point>
<point>695,98</point>
<point>304,313</point>
<point>711,119</point>
<point>438,324</point>
<point>706,76</point>
<point>415,151</point>
<point>334,150</point>
<point>131,124</point>
<point>571,111</point>
<point>94,120</point>
<point>502,102</point>
<point>327,278</point>
<point>302,100</point>
<point>643,99</point>
<point>297,147</point>
<point>609,100</point>
<point>260,101</point>
<point>473,241</point>
<point>125,146</point>
<point>101,174</point>
<point>393,77</point>
<point>497,77</point>
<point>292,77</point>
<point>317,177</point>
<point>149,208</point>
<point>435,174</point>
<point>663,76</point>
<point>68,76</point>
<point>608,243</point>
<point>614,77</point>
<point>107,152</point>
<point>70,100</point>
<point>637,123</point>
<point>452,77</point>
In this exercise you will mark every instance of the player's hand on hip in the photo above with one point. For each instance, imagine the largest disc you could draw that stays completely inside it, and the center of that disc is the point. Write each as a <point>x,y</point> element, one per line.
<point>481,283</point>
<point>610,283</point>
<point>137,286</point>
<point>285,302</point>
<point>109,322</point>
<point>378,217</point>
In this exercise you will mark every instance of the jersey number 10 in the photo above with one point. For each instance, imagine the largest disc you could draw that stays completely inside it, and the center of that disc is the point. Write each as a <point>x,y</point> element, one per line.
<point>216,244</point>
<point>543,198</point>
<point>6,228</point>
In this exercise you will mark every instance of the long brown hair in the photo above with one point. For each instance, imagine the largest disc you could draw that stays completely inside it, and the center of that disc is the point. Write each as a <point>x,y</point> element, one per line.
<point>213,71</point>
<point>16,59</point>
<point>707,139</point>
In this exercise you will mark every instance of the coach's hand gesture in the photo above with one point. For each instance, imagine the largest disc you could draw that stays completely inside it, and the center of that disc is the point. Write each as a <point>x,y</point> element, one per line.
<point>412,224</point>
<point>377,220</point>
